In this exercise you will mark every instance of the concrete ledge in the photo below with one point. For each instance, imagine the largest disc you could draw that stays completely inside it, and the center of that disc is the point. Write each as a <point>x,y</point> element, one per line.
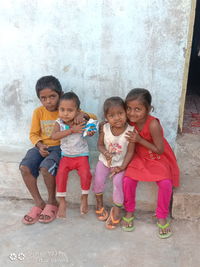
<point>186,198</point>
<point>186,206</point>
<point>12,185</point>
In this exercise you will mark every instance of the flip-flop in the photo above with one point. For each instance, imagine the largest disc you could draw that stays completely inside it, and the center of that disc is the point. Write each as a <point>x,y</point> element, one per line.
<point>100,213</point>
<point>49,210</point>
<point>111,223</point>
<point>130,222</point>
<point>160,226</point>
<point>34,213</point>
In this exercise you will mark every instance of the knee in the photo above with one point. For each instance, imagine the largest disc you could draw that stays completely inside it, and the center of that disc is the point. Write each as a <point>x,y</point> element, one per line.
<point>44,171</point>
<point>118,182</point>
<point>165,184</point>
<point>25,171</point>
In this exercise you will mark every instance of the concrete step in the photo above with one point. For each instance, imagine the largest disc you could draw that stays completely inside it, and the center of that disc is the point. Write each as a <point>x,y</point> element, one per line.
<point>12,185</point>
<point>186,198</point>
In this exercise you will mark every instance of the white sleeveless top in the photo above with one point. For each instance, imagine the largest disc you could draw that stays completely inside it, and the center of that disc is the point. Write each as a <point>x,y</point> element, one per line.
<point>73,145</point>
<point>117,145</point>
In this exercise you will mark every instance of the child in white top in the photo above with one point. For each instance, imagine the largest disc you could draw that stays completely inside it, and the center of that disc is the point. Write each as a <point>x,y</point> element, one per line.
<point>115,154</point>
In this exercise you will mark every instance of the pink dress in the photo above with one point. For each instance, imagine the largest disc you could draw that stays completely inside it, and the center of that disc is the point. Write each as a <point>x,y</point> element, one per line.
<point>147,165</point>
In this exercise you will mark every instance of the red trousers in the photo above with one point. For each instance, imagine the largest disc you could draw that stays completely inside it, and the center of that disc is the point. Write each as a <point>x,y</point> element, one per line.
<point>163,201</point>
<point>67,164</point>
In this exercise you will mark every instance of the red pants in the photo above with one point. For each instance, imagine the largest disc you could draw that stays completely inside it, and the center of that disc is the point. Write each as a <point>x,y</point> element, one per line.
<point>163,201</point>
<point>67,164</point>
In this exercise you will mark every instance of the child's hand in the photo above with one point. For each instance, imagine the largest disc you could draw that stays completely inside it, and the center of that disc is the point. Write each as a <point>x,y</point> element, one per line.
<point>78,128</point>
<point>80,117</point>
<point>108,157</point>
<point>91,133</point>
<point>43,149</point>
<point>116,170</point>
<point>133,136</point>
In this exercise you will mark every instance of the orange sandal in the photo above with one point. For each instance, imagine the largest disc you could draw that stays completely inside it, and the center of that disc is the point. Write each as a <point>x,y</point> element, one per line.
<point>102,214</point>
<point>111,223</point>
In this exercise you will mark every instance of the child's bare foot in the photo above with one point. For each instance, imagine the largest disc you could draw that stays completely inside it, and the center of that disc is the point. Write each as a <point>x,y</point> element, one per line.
<point>164,228</point>
<point>62,209</point>
<point>84,204</point>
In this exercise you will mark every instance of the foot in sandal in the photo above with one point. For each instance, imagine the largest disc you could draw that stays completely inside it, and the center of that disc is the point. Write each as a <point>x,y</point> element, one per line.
<point>128,222</point>
<point>113,220</point>
<point>164,228</point>
<point>48,214</point>
<point>102,214</point>
<point>32,216</point>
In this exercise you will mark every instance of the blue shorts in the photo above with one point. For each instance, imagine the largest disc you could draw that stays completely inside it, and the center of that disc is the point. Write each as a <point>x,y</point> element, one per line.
<point>34,161</point>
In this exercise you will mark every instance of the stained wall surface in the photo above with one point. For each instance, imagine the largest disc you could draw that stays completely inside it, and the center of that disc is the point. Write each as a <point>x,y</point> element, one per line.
<point>97,48</point>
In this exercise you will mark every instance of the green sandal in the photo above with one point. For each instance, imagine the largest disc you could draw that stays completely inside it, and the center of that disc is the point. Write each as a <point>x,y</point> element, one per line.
<point>130,226</point>
<point>160,226</point>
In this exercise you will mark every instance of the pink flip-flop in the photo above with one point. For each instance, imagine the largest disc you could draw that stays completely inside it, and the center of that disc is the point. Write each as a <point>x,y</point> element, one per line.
<point>34,214</point>
<point>50,211</point>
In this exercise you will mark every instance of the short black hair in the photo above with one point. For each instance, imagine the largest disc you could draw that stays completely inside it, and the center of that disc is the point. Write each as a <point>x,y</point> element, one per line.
<point>111,102</point>
<point>71,96</point>
<point>140,94</point>
<point>48,82</point>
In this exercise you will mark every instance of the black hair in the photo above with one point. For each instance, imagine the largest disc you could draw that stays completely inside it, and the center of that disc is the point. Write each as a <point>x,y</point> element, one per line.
<point>111,102</point>
<point>50,82</point>
<point>71,96</point>
<point>140,94</point>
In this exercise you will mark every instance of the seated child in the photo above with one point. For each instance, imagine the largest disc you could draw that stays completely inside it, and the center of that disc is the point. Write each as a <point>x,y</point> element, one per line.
<point>74,149</point>
<point>45,154</point>
<point>115,154</point>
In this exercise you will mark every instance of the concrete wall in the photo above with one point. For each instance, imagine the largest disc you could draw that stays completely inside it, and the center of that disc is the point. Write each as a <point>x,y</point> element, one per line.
<point>97,48</point>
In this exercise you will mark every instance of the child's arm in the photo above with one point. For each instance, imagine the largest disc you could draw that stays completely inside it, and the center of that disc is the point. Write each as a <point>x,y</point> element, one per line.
<point>35,131</point>
<point>88,115</point>
<point>128,156</point>
<point>127,159</point>
<point>101,145</point>
<point>82,115</point>
<point>57,134</point>
<point>157,136</point>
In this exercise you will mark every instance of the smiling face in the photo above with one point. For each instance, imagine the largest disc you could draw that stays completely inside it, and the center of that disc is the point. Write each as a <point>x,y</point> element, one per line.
<point>49,99</point>
<point>67,110</point>
<point>136,111</point>
<point>116,116</point>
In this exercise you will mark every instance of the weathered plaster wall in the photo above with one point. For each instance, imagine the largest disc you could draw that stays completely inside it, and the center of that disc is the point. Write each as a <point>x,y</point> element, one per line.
<point>98,48</point>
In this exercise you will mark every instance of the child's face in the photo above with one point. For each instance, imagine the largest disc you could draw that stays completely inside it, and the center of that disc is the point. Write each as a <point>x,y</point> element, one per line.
<point>67,110</point>
<point>136,111</point>
<point>49,99</point>
<point>116,116</point>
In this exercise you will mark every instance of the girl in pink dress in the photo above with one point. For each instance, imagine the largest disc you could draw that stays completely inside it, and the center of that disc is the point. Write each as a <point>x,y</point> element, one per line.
<point>153,161</point>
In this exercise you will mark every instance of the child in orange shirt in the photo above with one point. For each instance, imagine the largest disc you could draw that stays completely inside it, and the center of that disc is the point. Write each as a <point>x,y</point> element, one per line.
<point>45,155</point>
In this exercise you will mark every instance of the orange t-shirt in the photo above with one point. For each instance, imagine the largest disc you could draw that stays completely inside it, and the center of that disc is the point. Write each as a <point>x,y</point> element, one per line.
<point>42,125</point>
